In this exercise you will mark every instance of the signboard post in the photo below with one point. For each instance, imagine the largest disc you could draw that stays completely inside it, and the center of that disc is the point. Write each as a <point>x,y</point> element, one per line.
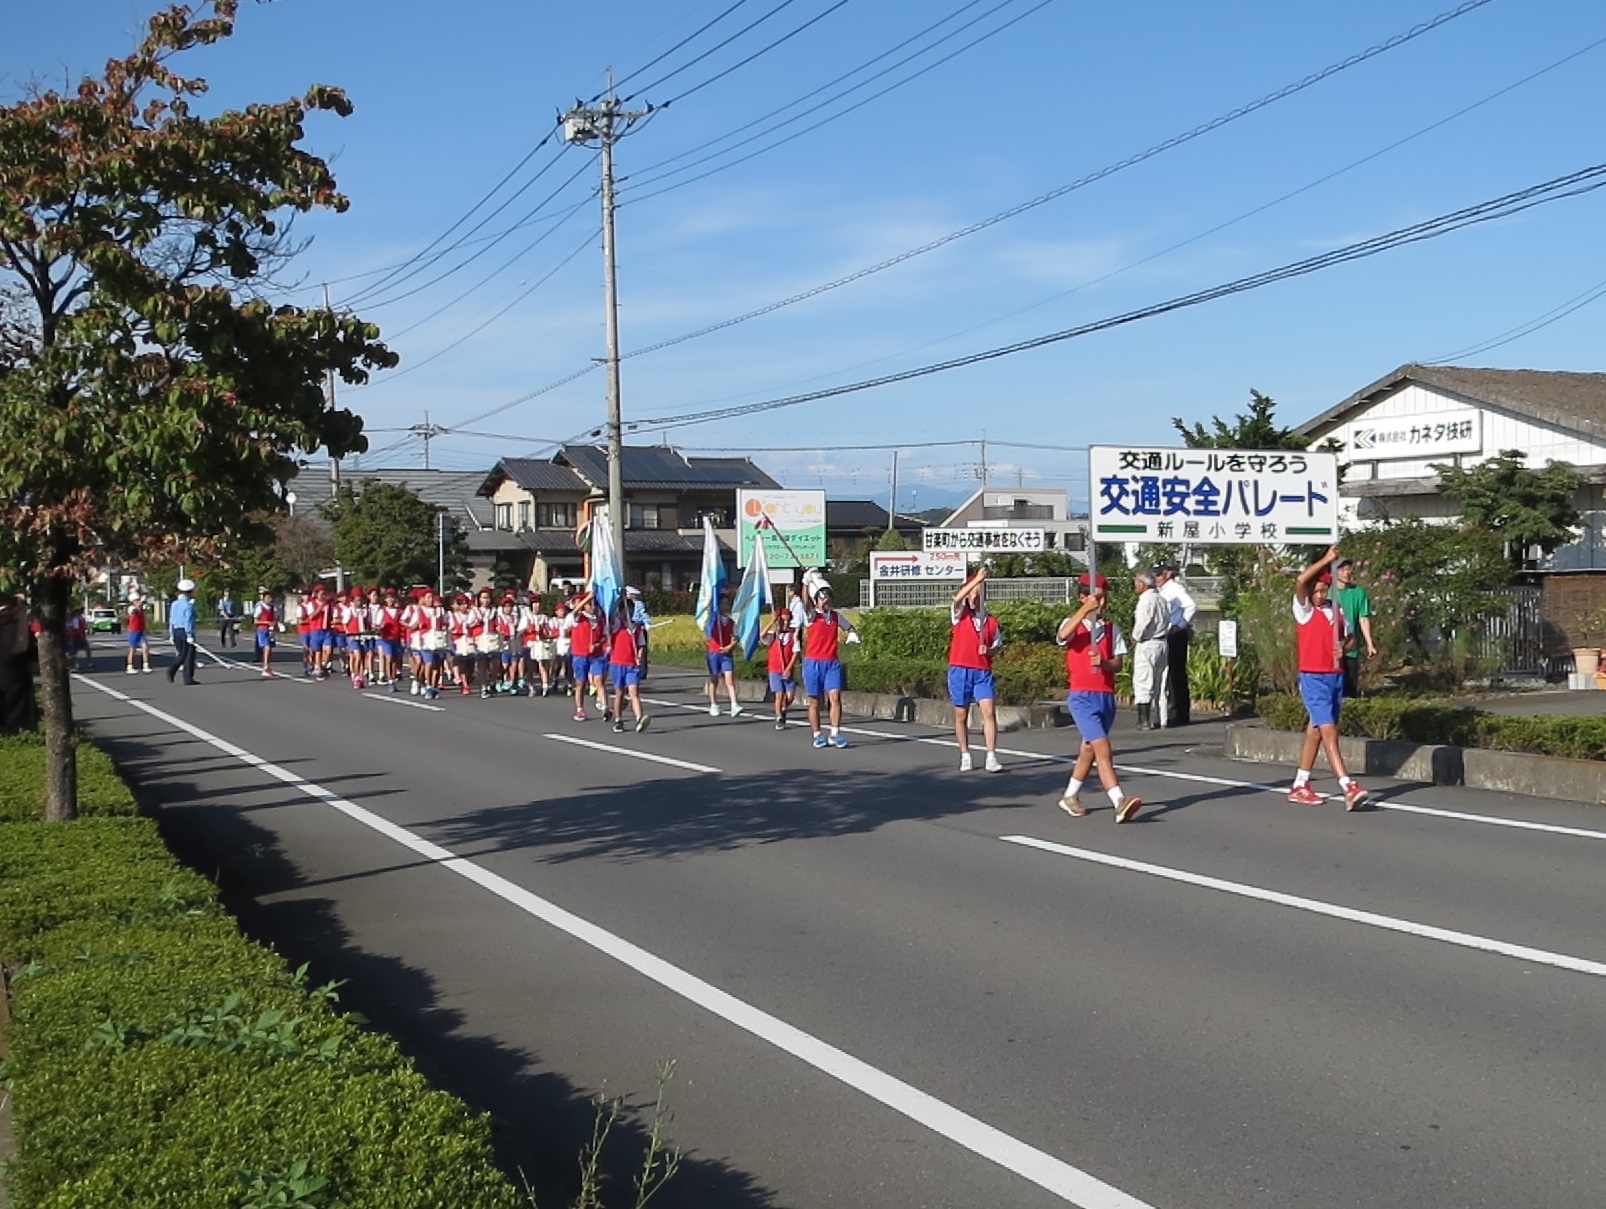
<point>1213,497</point>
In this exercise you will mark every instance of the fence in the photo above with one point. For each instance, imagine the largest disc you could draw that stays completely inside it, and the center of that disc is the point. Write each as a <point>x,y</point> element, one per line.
<point>1515,638</point>
<point>932,593</point>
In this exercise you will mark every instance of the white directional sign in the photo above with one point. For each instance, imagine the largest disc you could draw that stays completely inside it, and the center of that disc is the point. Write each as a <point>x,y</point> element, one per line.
<point>985,541</point>
<point>1213,497</point>
<point>917,564</point>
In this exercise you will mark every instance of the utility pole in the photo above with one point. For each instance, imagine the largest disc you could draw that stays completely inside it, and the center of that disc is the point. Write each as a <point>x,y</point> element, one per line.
<point>604,124</point>
<point>334,462</point>
<point>427,431</point>
<point>892,504</point>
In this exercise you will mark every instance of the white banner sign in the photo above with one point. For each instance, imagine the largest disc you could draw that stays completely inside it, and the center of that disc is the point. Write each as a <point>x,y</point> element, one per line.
<point>917,564</point>
<point>1430,435</point>
<point>1227,638</point>
<point>1213,497</point>
<point>985,541</point>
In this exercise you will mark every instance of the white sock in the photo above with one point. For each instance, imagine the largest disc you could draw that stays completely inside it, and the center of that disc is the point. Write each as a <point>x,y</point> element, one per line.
<point>1116,796</point>
<point>1302,778</point>
<point>835,731</point>
<point>1073,787</point>
<point>1345,782</point>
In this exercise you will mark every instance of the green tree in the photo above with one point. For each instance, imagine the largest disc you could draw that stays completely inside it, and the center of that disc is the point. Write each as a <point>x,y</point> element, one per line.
<point>386,534</point>
<point>154,401</point>
<point>890,540</point>
<point>1255,429</point>
<point>1523,507</point>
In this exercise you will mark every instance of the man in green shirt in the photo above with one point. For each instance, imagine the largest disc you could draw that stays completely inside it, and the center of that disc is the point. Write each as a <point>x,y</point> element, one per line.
<point>1357,607</point>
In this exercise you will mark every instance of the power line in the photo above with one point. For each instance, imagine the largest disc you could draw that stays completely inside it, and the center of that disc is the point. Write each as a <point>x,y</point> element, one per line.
<point>860,104</point>
<point>422,252</point>
<point>691,37</point>
<point>1576,302</point>
<point>833,83</point>
<point>1583,181</point>
<point>711,50</point>
<point>1168,144</point>
<point>477,329</point>
<point>716,77</point>
<point>463,264</point>
<point>1178,140</point>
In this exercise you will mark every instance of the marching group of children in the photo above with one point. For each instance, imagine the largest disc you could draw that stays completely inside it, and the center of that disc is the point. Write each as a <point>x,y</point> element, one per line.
<point>512,645</point>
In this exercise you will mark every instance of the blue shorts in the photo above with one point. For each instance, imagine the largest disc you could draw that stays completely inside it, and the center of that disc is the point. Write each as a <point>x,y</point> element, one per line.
<point>782,684</point>
<point>428,657</point>
<point>720,662</point>
<point>1093,713</point>
<point>136,639</point>
<point>1323,694</point>
<point>624,674</point>
<point>582,668</point>
<point>389,647</point>
<point>507,658</point>
<point>264,638</point>
<point>317,640</point>
<point>820,676</point>
<point>969,684</point>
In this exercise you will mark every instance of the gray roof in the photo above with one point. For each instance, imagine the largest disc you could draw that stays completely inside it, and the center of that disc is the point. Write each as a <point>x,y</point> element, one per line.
<point>561,541</point>
<point>659,466</point>
<point>1571,401</point>
<point>453,491</point>
<point>533,474</point>
<point>864,514</point>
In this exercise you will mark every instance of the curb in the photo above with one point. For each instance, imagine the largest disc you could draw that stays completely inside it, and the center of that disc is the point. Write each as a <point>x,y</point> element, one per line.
<point>1437,764</point>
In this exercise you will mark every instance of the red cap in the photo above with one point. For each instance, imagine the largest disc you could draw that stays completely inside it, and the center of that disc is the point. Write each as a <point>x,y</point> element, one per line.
<point>1099,582</point>
<point>1324,577</point>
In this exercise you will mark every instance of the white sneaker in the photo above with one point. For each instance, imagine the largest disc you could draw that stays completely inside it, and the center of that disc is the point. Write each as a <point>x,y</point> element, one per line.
<point>736,711</point>
<point>964,762</point>
<point>713,710</point>
<point>413,688</point>
<point>992,762</point>
<point>133,671</point>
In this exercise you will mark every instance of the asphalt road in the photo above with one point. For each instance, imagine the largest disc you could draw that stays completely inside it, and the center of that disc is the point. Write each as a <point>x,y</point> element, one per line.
<point>886,983</point>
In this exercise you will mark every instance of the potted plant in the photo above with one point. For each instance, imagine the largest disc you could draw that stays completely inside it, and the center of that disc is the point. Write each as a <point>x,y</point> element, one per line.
<point>1586,631</point>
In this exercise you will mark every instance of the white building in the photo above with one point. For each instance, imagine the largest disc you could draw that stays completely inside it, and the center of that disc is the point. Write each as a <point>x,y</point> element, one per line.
<point>1026,508</point>
<point>1392,432</point>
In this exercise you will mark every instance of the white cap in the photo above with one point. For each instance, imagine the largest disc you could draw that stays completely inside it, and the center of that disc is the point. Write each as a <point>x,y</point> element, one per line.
<point>186,585</point>
<point>632,591</point>
<point>133,598</point>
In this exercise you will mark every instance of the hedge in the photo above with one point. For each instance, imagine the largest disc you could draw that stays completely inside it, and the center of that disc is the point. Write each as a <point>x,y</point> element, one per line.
<point>157,1058</point>
<point>1579,738</point>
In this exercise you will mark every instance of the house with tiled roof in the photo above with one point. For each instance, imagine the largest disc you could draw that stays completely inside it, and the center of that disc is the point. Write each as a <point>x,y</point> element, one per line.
<point>1391,433</point>
<point>536,505</point>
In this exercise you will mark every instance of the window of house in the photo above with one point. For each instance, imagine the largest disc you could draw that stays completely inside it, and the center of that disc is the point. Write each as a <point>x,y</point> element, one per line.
<point>504,516</point>
<point>643,516</point>
<point>524,514</point>
<point>555,516</point>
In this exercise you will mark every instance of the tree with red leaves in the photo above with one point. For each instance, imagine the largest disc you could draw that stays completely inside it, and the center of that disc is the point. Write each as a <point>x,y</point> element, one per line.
<point>151,399</point>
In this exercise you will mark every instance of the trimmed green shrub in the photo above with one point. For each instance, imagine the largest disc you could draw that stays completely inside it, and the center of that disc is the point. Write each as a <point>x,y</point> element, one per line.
<point>22,773</point>
<point>160,1060</point>
<point>1578,738</point>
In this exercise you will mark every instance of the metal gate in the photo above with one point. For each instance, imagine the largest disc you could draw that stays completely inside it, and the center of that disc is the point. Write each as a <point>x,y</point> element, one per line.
<point>1516,637</point>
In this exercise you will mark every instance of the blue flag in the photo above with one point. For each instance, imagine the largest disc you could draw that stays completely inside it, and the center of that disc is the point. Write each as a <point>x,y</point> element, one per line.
<point>606,573</point>
<point>713,581</point>
<point>751,597</point>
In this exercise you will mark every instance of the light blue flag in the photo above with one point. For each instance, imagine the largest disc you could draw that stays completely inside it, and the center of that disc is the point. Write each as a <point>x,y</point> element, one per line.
<point>713,581</point>
<point>606,574</point>
<point>751,597</point>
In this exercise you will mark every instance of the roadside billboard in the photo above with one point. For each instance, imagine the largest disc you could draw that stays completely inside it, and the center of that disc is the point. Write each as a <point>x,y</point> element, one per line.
<point>918,564</point>
<point>985,541</point>
<point>797,538</point>
<point>1213,497</point>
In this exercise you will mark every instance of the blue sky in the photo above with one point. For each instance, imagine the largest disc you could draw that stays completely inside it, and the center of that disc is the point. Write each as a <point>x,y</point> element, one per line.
<point>449,98</point>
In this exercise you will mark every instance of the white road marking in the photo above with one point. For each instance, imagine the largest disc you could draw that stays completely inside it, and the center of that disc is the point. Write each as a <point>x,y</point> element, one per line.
<point>1071,1184</point>
<point>396,700</point>
<point>1400,807</point>
<point>1389,923</point>
<point>631,752</point>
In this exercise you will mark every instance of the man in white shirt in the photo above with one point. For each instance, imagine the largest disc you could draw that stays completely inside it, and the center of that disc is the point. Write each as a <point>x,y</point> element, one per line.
<point>1178,636</point>
<point>1151,624</point>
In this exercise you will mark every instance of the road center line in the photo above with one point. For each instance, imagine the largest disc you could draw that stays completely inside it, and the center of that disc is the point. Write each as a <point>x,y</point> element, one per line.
<point>1069,1183</point>
<point>1466,940</point>
<point>633,754</point>
<point>390,699</point>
